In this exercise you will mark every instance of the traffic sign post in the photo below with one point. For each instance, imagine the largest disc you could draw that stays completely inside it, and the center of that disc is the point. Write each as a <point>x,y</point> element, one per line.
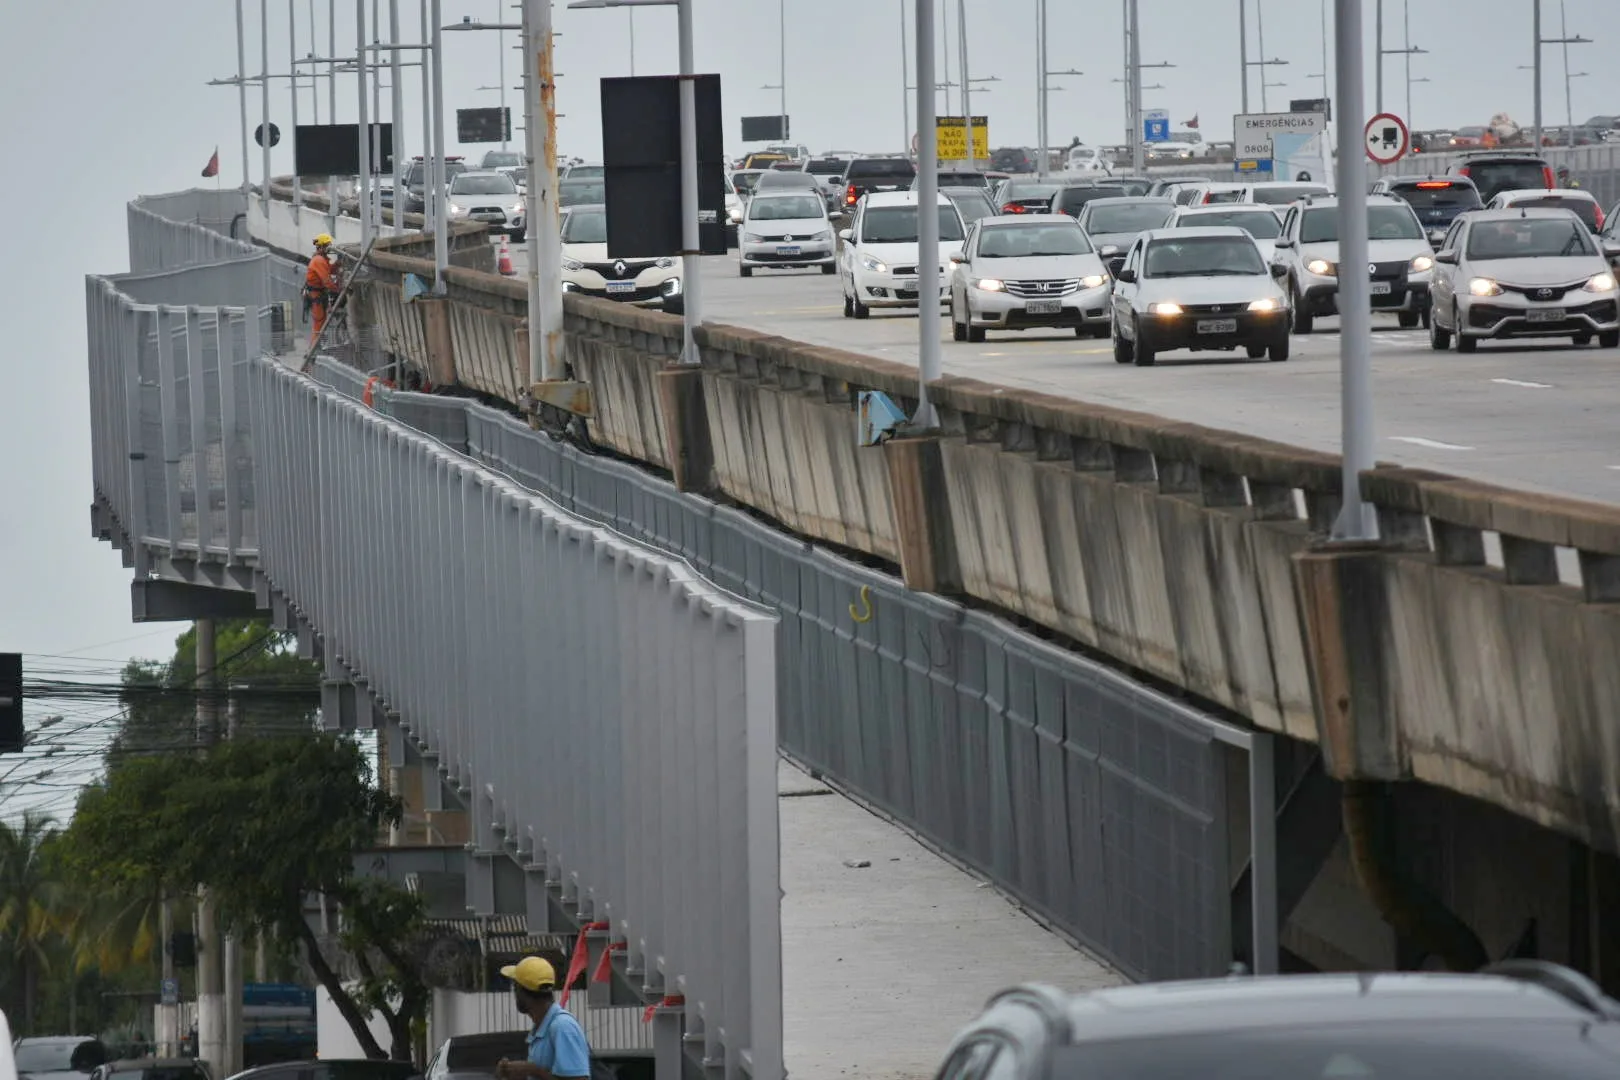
<point>1387,138</point>
<point>1156,126</point>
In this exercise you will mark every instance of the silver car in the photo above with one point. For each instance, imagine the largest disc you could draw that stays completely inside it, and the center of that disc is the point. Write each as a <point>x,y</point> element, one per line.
<point>786,230</point>
<point>1114,223</point>
<point>1526,272</point>
<point>490,197</point>
<point>1027,272</point>
<point>1198,289</point>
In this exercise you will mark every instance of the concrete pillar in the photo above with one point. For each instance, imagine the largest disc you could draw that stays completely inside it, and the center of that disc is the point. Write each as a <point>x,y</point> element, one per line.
<point>441,349</point>
<point>211,1018</point>
<point>687,442</point>
<point>922,514</point>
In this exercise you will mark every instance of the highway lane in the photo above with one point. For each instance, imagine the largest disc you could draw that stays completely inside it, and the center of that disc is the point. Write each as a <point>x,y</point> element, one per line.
<point>1540,417</point>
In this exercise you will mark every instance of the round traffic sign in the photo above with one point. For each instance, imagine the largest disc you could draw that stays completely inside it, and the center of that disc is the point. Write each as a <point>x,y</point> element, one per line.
<point>1387,138</point>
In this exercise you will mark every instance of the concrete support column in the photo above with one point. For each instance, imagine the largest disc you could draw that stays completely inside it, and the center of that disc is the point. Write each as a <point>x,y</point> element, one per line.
<point>669,1037</point>
<point>922,514</point>
<point>687,442</point>
<point>440,341</point>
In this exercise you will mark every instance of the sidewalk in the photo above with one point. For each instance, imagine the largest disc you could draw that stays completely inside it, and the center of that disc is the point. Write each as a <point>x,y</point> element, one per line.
<point>882,964</point>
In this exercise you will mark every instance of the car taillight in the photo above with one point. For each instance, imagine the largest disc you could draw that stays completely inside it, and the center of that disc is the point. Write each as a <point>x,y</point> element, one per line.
<point>1547,177</point>
<point>849,195</point>
<point>1599,211</point>
<point>1013,208</point>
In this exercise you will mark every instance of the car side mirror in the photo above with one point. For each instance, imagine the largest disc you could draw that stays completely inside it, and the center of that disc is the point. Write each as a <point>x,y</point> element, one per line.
<point>1612,251</point>
<point>1279,271</point>
<point>1447,258</point>
<point>957,256</point>
<point>847,235</point>
<point>1127,276</point>
<point>1283,242</point>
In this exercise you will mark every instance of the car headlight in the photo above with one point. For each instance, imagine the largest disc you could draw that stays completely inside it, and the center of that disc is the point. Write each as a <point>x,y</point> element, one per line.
<point>572,264</point>
<point>876,266</point>
<point>1422,263</point>
<point>665,263</point>
<point>753,238</point>
<point>1320,267</point>
<point>825,234</point>
<point>1164,309</point>
<point>1484,286</point>
<point>454,209</point>
<point>1265,303</point>
<point>1092,281</point>
<point>990,284</point>
<point>1600,282</point>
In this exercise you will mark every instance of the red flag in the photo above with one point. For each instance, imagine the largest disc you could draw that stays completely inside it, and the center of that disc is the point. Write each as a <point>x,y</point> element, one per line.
<point>1193,123</point>
<point>212,168</point>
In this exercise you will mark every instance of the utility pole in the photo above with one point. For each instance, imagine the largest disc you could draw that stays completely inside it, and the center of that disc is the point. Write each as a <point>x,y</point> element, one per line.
<point>264,99</point>
<point>1378,62</point>
<point>1356,520</point>
<point>540,145</point>
<point>441,211</point>
<point>241,93</point>
<point>231,960</point>
<point>430,63</point>
<point>691,280</point>
<point>396,114</point>
<point>905,79</point>
<point>331,107</point>
<point>365,123</point>
<point>1044,164</point>
<point>930,356</point>
<point>967,94</point>
<point>292,68</point>
<point>1243,50</point>
<point>377,115</point>
<point>211,1020</point>
<point>1138,152</point>
<point>500,68</point>
<point>168,1026</point>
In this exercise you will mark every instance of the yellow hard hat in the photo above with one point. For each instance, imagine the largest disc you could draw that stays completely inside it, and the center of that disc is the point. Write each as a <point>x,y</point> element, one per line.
<point>323,240</point>
<point>532,973</point>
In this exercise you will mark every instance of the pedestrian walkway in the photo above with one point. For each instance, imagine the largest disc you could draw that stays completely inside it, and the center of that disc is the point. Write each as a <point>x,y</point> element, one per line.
<point>888,949</point>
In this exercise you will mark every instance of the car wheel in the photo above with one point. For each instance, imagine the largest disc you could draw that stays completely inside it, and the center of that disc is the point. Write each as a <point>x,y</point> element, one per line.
<point>1143,349</point>
<point>744,271</point>
<point>975,334</point>
<point>1609,339</point>
<point>861,310</point>
<point>520,236</point>
<point>1465,344</point>
<point>828,268</point>
<point>1582,339</point>
<point>958,331</point>
<point>1407,319</point>
<point>1427,317</point>
<point>1278,352</point>
<point>1102,331</point>
<point>1255,351</point>
<point>849,307</point>
<point>675,305</point>
<point>1304,321</point>
<point>1123,353</point>
<point>1439,336</point>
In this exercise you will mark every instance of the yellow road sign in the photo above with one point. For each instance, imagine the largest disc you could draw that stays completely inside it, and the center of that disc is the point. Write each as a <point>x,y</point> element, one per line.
<point>950,137</point>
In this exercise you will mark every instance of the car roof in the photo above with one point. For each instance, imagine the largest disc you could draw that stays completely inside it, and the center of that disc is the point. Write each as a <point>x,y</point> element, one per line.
<point>136,1064</point>
<point>1518,213</point>
<point>51,1040</point>
<point>1197,231</point>
<point>1284,183</point>
<point>1028,219</point>
<point>1227,208</point>
<point>899,198</point>
<point>1515,194</point>
<point>1142,200</point>
<point>1157,1009</point>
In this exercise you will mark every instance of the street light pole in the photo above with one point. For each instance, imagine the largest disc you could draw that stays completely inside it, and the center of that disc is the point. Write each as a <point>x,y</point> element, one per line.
<point>364,125</point>
<point>930,358</point>
<point>500,47</point>
<point>241,93</point>
<point>967,90</point>
<point>1243,50</point>
<point>905,98</point>
<point>396,114</point>
<point>1138,152</point>
<point>1378,60</point>
<point>1356,520</point>
<point>1044,164</point>
<point>781,69</point>
<point>691,283</point>
<point>292,61</point>
<point>540,147</point>
<point>441,213</point>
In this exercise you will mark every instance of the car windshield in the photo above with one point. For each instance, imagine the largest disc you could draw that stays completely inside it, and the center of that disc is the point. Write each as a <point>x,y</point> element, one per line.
<point>575,193</point>
<point>1260,224</point>
<point>51,1057</point>
<point>1127,218</point>
<point>1585,209</point>
<point>785,208</point>
<point>585,227</point>
<point>971,205</point>
<point>585,172</point>
<point>1392,1050</point>
<point>787,180</point>
<point>825,168</point>
<point>496,184</point>
<point>1283,194</point>
<point>899,167</point>
<point>1223,195</point>
<point>1321,226</point>
<point>1130,187</point>
<point>1027,241</point>
<point>898,225</point>
<point>1494,176</point>
<point>1016,192</point>
<point>1439,195</point>
<point>1528,238</point>
<point>744,181</point>
<point>1201,256</point>
<point>498,158</point>
<point>1072,199</point>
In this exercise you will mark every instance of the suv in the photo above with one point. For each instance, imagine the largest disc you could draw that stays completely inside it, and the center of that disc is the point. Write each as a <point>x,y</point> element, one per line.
<point>1437,200</point>
<point>877,264</point>
<point>1495,171</point>
<point>416,181</point>
<point>1525,1019</point>
<point>876,174</point>
<point>1400,259</point>
<point>60,1057</point>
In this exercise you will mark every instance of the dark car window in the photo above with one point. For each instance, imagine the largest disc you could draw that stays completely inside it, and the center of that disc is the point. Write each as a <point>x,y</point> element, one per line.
<point>1229,195</point>
<point>59,1055</point>
<point>1024,241</point>
<point>744,181</point>
<point>585,227</point>
<point>483,1052</point>
<point>1494,177</point>
<point>363,1070</point>
<point>1521,238</point>
<point>1454,1050</point>
<point>898,225</point>
<point>1283,194</point>
<point>587,172</point>
<point>1388,222</point>
<point>1070,200</point>
<point>1196,256</point>
<point>1127,217</point>
<point>1020,189</point>
<point>1439,195</point>
<point>167,1072</point>
<point>881,168</point>
<point>972,205</point>
<point>1128,186</point>
<point>1260,224</point>
<point>825,168</point>
<point>788,180</point>
<point>786,207</point>
<point>580,192</point>
<point>495,184</point>
<point>1584,209</point>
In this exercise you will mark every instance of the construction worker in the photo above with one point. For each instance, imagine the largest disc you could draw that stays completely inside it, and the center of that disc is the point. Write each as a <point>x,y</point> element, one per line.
<point>557,1046</point>
<point>1565,180</point>
<point>321,285</point>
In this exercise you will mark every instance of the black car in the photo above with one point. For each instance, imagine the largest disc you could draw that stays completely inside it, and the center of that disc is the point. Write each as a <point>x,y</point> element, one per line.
<point>1524,1020</point>
<point>1014,159</point>
<point>1069,198</point>
<point>1496,171</point>
<point>332,1069</point>
<point>876,174</point>
<point>1437,200</point>
<point>1133,185</point>
<point>416,181</point>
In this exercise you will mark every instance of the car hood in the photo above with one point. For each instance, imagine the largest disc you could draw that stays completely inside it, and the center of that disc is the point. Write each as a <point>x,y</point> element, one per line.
<point>904,254</point>
<point>798,228</point>
<point>1039,266</point>
<point>56,1074</point>
<point>1121,240</point>
<point>597,253</point>
<point>506,198</point>
<point>1542,271</point>
<point>1208,290</point>
<point>1378,251</point>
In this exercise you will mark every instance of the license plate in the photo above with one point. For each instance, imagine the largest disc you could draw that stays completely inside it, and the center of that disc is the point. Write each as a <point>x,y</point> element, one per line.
<point>1217,326</point>
<point>621,286</point>
<point>1544,315</point>
<point>1043,307</point>
<point>1380,288</point>
<point>787,249</point>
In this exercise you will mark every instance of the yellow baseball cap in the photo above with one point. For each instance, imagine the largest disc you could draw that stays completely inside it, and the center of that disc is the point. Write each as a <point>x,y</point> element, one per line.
<point>532,973</point>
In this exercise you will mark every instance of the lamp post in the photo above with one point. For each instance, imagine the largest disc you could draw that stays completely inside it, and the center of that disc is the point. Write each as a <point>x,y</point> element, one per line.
<point>1409,51</point>
<point>1564,40</point>
<point>1041,91</point>
<point>1243,52</point>
<point>1356,519</point>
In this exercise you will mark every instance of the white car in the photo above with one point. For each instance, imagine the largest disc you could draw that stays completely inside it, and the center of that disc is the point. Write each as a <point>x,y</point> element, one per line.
<point>734,204</point>
<point>877,265</point>
<point>1258,221</point>
<point>1211,194</point>
<point>1087,159</point>
<point>650,281</point>
<point>1027,272</point>
<point>1400,261</point>
<point>490,197</point>
<point>786,230</point>
<point>1530,272</point>
<point>1578,200</point>
<point>1280,194</point>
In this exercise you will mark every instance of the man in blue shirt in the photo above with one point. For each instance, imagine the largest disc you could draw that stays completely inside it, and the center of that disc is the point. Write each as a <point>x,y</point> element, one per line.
<point>557,1046</point>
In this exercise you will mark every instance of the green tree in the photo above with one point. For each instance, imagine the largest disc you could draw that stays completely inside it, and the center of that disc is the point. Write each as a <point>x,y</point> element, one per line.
<point>30,905</point>
<point>265,824</point>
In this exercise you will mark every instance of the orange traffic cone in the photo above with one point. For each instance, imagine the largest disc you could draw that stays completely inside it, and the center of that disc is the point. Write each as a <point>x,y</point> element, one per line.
<point>503,262</point>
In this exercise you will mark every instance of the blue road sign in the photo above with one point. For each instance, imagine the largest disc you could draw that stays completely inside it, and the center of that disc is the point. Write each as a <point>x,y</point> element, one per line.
<point>1156,126</point>
<point>169,992</point>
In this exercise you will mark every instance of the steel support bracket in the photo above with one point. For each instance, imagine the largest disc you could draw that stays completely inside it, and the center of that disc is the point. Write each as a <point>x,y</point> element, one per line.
<point>565,394</point>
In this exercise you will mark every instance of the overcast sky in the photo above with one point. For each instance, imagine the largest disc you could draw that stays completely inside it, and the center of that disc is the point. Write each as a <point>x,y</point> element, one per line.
<point>103,101</point>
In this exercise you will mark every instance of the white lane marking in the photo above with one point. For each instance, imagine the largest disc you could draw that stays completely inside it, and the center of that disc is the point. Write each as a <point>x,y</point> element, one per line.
<point>1526,385</point>
<point>1430,443</point>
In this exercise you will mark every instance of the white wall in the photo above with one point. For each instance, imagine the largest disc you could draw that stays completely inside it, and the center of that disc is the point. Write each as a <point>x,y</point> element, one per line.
<point>293,228</point>
<point>333,1037</point>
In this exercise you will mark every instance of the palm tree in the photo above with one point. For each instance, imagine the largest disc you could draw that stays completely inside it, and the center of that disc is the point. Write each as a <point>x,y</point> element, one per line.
<point>28,895</point>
